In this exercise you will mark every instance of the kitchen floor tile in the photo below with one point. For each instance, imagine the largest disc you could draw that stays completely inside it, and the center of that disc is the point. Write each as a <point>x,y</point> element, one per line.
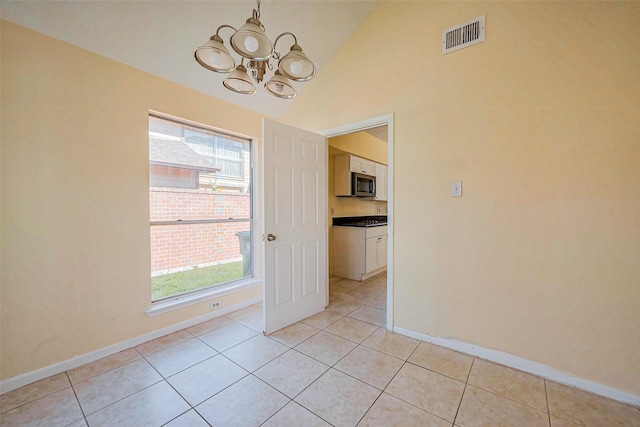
<point>373,289</point>
<point>323,319</point>
<point>255,352</point>
<point>103,365</point>
<point>433,392</point>
<point>377,302</point>
<point>348,284</point>
<point>188,419</point>
<point>391,343</point>
<point>358,294</point>
<point>482,408</point>
<point>351,329</point>
<point>371,366</point>
<point>28,393</point>
<point>201,381</point>
<point>181,356</point>
<point>509,383</point>
<point>389,411</point>
<point>153,406</point>
<point>295,415</point>
<point>105,389</point>
<point>164,342</point>
<point>294,334</point>
<point>371,315</point>
<point>338,398</point>
<point>291,373</point>
<point>589,409</point>
<point>224,338</point>
<point>343,304</point>
<point>442,360</point>
<point>249,402</point>
<point>379,280</point>
<point>56,409</point>
<point>337,290</point>
<point>326,347</point>
<point>209,325</point>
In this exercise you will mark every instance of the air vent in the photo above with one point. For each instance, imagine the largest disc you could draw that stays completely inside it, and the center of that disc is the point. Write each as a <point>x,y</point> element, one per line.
<point>463,35</point>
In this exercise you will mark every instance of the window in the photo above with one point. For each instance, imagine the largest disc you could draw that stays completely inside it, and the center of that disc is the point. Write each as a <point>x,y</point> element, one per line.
<point>200,208</point>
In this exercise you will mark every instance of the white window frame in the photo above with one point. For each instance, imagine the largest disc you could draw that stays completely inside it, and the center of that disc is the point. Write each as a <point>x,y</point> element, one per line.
<point>210,293</point>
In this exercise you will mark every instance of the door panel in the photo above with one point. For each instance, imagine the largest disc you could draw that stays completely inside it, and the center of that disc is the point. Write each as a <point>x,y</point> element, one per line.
<point>295,196</point>
<point>283,263</point>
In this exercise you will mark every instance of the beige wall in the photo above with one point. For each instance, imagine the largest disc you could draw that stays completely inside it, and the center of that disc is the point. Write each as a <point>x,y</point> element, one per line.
<point>540,257</point>
<point>362,144</point>
<point>75,198</point>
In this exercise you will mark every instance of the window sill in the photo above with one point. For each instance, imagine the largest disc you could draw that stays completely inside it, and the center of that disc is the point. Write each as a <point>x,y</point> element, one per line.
<point>207,294</point>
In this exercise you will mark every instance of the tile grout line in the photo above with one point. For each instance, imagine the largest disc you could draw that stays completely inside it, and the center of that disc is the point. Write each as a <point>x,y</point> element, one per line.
<point>84,417</point>
<point>546,398</point>
<point>464,390</point>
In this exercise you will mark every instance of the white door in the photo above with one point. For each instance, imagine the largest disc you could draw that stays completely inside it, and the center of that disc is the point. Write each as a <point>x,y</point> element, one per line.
<point>295,194</point>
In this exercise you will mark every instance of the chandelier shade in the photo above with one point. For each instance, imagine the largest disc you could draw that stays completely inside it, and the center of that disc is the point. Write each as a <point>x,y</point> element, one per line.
<point>239,81</point>
<point>214,56</point>
<point>279,86</point>
<point>256,50</point>
<point>251,42</point>
<point>296,66</point>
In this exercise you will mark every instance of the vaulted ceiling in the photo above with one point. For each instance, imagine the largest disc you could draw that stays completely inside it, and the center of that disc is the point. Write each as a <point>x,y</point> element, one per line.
<point>159,37</point>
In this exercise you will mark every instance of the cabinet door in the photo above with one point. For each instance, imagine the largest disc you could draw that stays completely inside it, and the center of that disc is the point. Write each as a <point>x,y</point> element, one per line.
<point>371,255</point>
<point>358,165</point>
<point>382,251</point>
<point>381,182</point>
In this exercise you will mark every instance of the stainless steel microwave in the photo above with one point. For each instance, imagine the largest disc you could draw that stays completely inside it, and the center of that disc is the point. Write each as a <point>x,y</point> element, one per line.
<point>363,185</point>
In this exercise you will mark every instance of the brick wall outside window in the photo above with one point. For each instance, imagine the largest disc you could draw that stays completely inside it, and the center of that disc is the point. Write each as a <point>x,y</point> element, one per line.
<point>179,247</point>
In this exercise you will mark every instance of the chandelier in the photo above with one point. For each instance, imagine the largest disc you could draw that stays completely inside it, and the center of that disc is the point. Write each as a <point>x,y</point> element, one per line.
<point>255,48</point>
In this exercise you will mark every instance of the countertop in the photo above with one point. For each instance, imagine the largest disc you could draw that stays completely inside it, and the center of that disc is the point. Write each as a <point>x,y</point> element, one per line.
<point>361,221</point>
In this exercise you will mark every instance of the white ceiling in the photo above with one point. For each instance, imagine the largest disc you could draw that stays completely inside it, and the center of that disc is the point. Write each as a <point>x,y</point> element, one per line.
<point>159,37</point>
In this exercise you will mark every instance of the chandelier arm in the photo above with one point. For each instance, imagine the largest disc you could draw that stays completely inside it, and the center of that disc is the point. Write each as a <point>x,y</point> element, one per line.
<point>295,40</point>
<point>224,26</point>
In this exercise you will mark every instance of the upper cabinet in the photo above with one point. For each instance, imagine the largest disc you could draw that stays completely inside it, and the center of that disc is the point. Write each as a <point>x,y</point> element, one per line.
<point>346,164</point>
<point>359,165</point>
<point>381,182</point>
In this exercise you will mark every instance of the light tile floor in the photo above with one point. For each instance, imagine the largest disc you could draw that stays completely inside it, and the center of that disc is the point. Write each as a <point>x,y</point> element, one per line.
<point>340,367</point>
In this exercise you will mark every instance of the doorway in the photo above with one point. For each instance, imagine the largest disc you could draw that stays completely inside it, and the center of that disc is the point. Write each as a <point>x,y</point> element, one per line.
<point>374,126</point>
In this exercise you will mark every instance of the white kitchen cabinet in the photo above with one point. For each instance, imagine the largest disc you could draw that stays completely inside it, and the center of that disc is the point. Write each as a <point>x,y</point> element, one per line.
<point>376,253</point>
<point>381,182</point>
<point>360,165</point>
<point>344,164</point>
<point>359,252</point>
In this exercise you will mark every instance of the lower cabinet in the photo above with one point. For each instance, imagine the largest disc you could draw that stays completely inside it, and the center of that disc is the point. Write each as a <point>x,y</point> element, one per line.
<point>376,253</point>
<point>359,252</point>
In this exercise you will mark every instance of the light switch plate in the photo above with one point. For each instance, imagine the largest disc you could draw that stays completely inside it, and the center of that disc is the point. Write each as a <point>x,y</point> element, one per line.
<point>456,189</point>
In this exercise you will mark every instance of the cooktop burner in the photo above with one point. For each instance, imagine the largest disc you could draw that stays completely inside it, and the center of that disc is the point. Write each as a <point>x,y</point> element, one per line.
<point>361,221</point>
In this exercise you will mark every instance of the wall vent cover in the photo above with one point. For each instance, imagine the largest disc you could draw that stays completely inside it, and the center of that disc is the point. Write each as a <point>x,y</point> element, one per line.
<point>463,35</point>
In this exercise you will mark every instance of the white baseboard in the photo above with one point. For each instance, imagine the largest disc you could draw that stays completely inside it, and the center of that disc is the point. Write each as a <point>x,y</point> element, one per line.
<point>47,371</point>
<point>525,365</point>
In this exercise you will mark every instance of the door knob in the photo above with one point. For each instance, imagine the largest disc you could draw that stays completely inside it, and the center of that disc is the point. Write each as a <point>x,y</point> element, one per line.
<point>271,237</point>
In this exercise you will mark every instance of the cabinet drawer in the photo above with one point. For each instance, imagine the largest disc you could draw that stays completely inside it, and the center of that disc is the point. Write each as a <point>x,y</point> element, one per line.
<point>376,231</point>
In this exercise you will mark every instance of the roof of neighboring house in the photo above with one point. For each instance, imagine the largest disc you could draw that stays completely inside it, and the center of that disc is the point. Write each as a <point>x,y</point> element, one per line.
<point>177,154</point>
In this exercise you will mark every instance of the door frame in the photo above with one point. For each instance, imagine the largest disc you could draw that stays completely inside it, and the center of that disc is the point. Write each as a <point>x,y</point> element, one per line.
<point>385,119</point>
